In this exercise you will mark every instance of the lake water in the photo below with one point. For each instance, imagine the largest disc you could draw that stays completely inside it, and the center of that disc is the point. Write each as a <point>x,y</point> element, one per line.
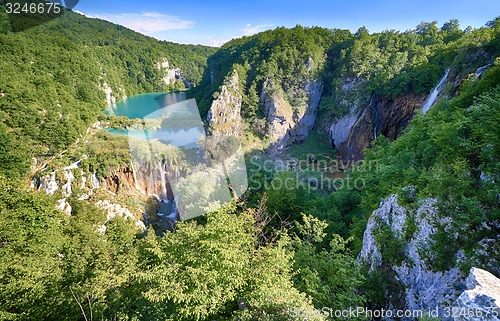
<point>140,106</point>
<point>181,125</point>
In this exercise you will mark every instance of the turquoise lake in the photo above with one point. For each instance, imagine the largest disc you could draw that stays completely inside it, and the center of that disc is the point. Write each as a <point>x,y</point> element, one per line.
<point>140,106</point>
<point>171,106</point>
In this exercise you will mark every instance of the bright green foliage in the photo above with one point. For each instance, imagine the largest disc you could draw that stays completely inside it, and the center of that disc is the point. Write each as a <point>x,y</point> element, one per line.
<point>105,152</point>
<point>30,260</point>
<point>96,263</point>
<point>49,259</point>
<point>281,55</point>
<point>331,277</point>
<point>200,272</point>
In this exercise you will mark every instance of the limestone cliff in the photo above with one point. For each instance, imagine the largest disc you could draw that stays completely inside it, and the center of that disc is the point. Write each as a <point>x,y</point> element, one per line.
<point>368,118</point>
<point>372,115</point>
<point>72,179</point>
<point>170,74</point>
<point>383,115</point>
<point>422,287</point>
<point>289,124</point>
<point>224,116</point>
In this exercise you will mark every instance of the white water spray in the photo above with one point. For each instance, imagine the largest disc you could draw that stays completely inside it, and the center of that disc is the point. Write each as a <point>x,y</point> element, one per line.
<point>434,94</point>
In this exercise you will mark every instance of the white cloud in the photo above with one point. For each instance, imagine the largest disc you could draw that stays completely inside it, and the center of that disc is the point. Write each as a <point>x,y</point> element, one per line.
<point>83,14</point>
<point>147,22</point>
<point>216,43</point>
<point>249,30</point>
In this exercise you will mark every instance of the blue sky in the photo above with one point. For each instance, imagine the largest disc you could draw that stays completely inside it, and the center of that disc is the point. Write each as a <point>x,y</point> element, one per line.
<point>216,22</point>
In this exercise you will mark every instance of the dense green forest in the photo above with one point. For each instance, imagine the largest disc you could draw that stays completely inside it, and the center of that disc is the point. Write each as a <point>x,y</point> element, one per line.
<point>52,79</point>
<point>391,62</point>
<point>275,249</point>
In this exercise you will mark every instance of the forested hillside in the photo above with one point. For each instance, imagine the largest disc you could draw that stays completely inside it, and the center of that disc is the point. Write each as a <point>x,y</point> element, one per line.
<point>53,80</point>
<point>291,243</point>
<point>389,63</point>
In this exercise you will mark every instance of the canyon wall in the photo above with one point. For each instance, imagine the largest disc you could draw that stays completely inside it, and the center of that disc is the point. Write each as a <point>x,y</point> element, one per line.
<point>406,260</point>
<point>289,124</point>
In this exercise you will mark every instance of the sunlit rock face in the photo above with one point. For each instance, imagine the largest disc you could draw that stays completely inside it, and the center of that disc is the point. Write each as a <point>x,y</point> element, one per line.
<point>422,287</point>
<point>481,300</point>
<point>170,73</point>
<point>224,116</point>
<point>289,124</point>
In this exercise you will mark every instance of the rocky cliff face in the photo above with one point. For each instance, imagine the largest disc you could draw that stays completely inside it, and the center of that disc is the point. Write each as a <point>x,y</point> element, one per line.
<point>368,118</point>
<point>389,116</point>
<point>287,124</point>
<point>170,75</point>
<point>152,179</point>
<point>423,288</point>
<point>381,116</point>
<point>71,179</point>
<point>224,116</point>
<point>481,300</point>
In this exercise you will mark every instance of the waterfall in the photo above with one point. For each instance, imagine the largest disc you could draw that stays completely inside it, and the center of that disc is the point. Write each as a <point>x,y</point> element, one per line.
<point>134,173</point>
<point>377,121</point>
<point>177,174</point>
<point>150,189</point>
<point>84,180</point>
<point>94,180</point>
<point>66,188</point>
<point>163,193</point>
<point>174,214</point>
<point>434,94</point>
<point>49,185</point>
<point>480,71</point>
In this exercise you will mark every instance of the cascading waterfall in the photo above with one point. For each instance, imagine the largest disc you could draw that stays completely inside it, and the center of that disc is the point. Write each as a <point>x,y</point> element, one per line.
<point>377,120</point>
<point>434,94</point>
<point>163,194</point>
<point>49,183</point>
<point>480,70</point>
<point>174,214</point>
<point>152,178</point>
<point>66,188</point>
<point>134,173</point>
<point>84,180</point>
<point>94,180</point>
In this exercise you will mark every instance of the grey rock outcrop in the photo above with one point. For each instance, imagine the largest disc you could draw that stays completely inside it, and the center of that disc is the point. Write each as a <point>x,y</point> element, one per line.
<point>349,95</point>
<point>424,289</point>
<point>481,300</point>
<point>170,75</point>
<point>114,210</point>
<point>289,124</point>
<point>224,116</point>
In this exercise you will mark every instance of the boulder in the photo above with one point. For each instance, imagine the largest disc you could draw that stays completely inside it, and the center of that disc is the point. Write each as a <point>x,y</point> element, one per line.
<point>481,300</point>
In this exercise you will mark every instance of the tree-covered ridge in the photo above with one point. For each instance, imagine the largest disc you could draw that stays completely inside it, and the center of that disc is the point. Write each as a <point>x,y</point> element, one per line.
<point>388,63</point>
<point>53,77</point>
